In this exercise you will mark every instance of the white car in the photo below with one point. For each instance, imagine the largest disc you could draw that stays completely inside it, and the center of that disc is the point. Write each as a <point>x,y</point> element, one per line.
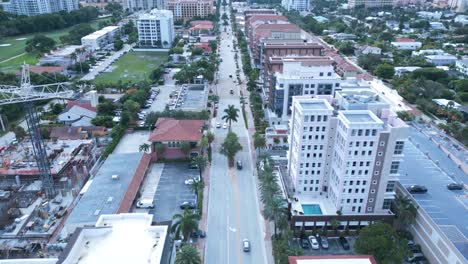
<point>314,243</point>
<point>218,125</point>
<point>225,125</point>
<point>189,182</point>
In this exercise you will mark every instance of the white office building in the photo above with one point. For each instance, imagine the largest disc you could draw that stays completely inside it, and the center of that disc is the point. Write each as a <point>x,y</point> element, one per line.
<point>462,65</point>
<point>344,160</point>
<point>302,76</point>
<point>100,39</point>
<point>38,7</point>
<point>298,5</point>
<point>156,29</point>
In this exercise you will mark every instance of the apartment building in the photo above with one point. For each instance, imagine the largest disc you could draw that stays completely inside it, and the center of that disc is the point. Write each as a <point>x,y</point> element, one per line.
<point>156,29</point>
<point>345,159</point>
<point>100,39</point>
<point>370,3</point>
<point>298,5</point>
<point>301,76</point>
<point>137,5</point>
<point>187,9</point>
<point>38,7</point>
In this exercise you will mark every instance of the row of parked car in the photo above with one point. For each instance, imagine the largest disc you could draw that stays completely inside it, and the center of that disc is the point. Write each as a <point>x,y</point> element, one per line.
<point>422,189</point>
<point>316,242</point>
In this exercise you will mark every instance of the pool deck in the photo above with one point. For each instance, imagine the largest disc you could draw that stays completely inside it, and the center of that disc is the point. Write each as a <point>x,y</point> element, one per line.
<point>325,205</point>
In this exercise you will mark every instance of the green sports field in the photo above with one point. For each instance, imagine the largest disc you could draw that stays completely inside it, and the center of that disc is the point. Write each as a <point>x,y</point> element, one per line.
<point>135,66</point>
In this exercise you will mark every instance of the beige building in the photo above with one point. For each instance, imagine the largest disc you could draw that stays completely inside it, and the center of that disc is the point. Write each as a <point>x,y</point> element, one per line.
<point>187,9</point>
<point>370,3</point>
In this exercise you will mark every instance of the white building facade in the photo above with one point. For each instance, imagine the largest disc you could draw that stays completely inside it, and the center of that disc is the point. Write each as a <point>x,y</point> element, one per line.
<point>298,5</point>
<point>156,29</point>
<point>349,158</point>
<point>462,66</point>
<point>38,7</point>
<point>137,5</point>
<point>301,78</point>
<point>100,39</point>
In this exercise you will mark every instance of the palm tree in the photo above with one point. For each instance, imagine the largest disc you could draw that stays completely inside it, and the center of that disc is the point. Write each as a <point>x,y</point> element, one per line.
<point>210,137</point>
<point>275,210</point>
<point>405,211</point>
<point>203,144</point>
<point>230,147</point>
<point>184,224</point>
<point>188,255</point>
<point>259,142</point>
<point>230,114</point>
<point>200,161</point>
<point>144,147</point>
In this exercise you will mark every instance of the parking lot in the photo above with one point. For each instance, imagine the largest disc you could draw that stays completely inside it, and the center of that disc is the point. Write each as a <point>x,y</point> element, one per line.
<point>335,247</point>
<point>190,98</point>
<point>172,191</point>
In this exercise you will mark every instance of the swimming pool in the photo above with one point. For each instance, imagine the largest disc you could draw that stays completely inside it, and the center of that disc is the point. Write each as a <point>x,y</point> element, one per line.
<point>311,209</point>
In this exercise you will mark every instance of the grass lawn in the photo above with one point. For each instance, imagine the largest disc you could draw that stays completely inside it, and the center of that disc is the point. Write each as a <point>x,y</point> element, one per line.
<point>17,44</point>
<point>134,66</point>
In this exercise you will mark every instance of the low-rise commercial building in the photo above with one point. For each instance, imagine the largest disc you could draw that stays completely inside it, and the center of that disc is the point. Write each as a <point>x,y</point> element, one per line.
<point>188,9</point>
<point>406,44</point>
<point>441,60</point>
<point>100,39</point>
<point>156,29</point>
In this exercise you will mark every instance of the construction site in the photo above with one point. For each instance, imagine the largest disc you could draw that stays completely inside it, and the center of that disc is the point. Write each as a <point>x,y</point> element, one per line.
<point>28,217</point>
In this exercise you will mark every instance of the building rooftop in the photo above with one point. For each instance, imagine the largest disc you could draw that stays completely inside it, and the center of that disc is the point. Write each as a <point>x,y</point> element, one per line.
<point>345,259</point>
<point>112,190</point>
<point>170,129</point>
<point>122,238</point>
<point>360,117</point>
<point>65,51</point>
<point>155,14</point>
<point>310,103</point>
<point>99,33</point>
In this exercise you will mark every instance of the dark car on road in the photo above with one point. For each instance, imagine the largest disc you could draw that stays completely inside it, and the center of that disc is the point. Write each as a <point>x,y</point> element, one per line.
<point>239,165</point>
<point>199,234</point>
<point>455,186</point>
<point>417,189</point>
<point>305,243</point>
<point>188,205</point>
<point>344,243</point>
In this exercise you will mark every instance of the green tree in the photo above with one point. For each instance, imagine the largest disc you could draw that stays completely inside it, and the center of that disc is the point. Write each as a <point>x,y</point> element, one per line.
<point>230,147</point>
<point>381,241</point>
<point>132,107</point>
<point>144,147</point>
<point>185,147</point>
<point>334,223</point>
<point>259,141</point>
<point>103,121</point>
<point>197,186</point>
<point>275,210</point>
<point>76,33</point>
<point>405,212</point>
<point>345,47</point>
<point>385,71</point>
<point>201,162</point>
<point>210,137</point>
<point>230,114</point>
<point>151,119</point>
<point>369,61</point>
<point>160,149</point>
<point>188,255</point>
<point>19,132</point>
<point>40,44</point>
<point>118,44</point>
<point>197,52</point>
<point>184,224</point>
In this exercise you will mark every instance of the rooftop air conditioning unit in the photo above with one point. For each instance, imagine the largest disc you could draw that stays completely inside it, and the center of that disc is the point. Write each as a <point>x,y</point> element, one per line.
<point>115,177</point>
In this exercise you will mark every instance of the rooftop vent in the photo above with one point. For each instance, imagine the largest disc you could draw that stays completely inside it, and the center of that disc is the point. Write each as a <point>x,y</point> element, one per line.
<point>115,177</point>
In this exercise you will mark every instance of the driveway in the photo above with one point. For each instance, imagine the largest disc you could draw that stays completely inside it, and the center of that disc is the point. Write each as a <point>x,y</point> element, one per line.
<point>172,190</point>
<point>106,63</point>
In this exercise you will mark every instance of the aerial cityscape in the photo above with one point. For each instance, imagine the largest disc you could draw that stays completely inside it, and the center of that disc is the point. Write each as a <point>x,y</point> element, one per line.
<point>222,132</point>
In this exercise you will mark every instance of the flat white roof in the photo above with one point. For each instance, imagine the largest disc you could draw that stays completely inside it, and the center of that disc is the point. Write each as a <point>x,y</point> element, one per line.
<point>360,117</point>
<point>120,239</point>
<point>100,33</point>
<point>334,261</point>
<point>309,103</point>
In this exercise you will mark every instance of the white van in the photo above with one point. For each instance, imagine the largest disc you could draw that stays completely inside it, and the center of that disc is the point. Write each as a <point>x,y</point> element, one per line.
<point>145,203</point>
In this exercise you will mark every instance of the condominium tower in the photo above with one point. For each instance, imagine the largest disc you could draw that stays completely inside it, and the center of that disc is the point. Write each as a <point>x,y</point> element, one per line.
<point>38,7</point>
<point>156,29</point>
<point>349,158</point>
<point>298,5</point>
<point>188,9</point>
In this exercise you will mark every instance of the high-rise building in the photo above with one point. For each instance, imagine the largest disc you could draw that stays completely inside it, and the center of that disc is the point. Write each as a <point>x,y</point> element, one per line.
<point>370,3</point>
<point>38,7</point>
<point>187,9</point>
<point>136,5</point>
<point>347,159</point>
<point>298,5</point>
<point>156,29</point>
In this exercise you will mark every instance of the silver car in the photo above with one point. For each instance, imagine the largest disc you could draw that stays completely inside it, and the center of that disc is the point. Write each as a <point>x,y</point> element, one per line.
<point>246,245</point>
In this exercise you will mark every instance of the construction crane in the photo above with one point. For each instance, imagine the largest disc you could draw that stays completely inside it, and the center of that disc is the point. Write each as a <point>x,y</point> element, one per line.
<point>27,93</point>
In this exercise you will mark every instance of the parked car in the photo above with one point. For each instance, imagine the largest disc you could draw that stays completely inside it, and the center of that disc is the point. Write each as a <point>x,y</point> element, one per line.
<point>455,186</point>
<point>305,243</point>
<point>417,189</point>
<point>145,203</point>
<point>188,205</point>
<point>218,125</point>
<point>225,125</point>
<point>239,165</point>
<point>199,234</point>
<point>344,243</point>
<point>314,242</point>
<point>416,257</point>
<point>246,245</point>
<point>324,242</point>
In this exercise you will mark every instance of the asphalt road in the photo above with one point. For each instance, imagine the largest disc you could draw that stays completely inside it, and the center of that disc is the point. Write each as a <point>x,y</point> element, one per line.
<point>425,164</point>
<point>233,208</point>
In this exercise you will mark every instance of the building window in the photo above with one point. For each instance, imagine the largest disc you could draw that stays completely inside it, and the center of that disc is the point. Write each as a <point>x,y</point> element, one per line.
<point>321,74</point>
<point>390,186</point>
<point>371,200</point>
<point>382,143</point>
<point>374,182</point>
<point>399,147</point>
<point>372,191</point>
<point>386,203</point>
<point>394,167</point>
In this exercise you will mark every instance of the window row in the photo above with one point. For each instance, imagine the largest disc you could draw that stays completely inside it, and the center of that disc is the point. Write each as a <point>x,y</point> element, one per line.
<point>312,172</point>
<point>313,118</point>
<point>358,143</point>
<point>358,182</point>
<point>363,132</point>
